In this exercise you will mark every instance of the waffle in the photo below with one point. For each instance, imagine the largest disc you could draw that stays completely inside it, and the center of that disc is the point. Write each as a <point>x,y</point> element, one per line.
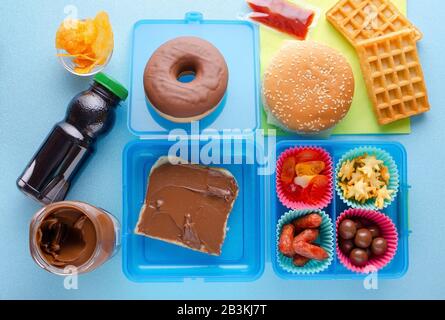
<point>394,76</point>
<point>360,20</point>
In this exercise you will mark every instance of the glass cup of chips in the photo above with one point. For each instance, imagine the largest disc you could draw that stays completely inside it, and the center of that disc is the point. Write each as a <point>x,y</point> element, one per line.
<point>85,46</point>
<point>69,63</point>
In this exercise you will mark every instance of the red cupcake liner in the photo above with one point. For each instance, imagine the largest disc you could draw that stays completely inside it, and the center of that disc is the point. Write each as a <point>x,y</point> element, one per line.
<point>287,198</point>
<point>388,231</point>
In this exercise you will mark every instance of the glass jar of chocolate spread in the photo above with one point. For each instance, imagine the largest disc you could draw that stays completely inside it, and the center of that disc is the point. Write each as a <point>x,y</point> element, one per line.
<point>67,237</point>
<point>48,176</point>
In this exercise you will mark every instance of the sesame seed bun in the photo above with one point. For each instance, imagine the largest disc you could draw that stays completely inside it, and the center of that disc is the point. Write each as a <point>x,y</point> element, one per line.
<point>308,87</point>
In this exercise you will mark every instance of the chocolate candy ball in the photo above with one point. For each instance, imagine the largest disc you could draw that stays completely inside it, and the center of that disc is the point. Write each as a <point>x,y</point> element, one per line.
<point>347,229</point>
<point>346,246</point>
<point>359,257</point>
<point>375,231</point>
<point>358,224</point>
<point>363,238</point>
<point>379,246</point>
<point>369,253</point>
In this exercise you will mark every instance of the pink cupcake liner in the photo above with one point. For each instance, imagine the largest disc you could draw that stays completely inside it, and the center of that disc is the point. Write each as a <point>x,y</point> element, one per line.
<point>286,198</point>
<point>388,231</point>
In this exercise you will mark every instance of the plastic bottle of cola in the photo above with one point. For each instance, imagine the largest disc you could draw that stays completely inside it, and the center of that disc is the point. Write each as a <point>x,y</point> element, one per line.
<point>48,176</point>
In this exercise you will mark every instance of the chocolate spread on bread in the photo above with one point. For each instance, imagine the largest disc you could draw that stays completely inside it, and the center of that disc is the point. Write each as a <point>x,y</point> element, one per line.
<point>188,205</point>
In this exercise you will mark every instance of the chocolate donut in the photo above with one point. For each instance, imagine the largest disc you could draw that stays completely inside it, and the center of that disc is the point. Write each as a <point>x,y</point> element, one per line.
<point>186,102</point>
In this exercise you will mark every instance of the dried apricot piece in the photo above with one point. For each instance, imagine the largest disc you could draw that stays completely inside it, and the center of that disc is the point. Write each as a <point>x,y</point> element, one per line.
<point>309,168</point>
<point>307,155</point>
<point>318,188</point>
<point>293,191</point>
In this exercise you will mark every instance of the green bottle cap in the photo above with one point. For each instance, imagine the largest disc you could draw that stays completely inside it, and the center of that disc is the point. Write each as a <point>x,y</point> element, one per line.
<point>112,85</point>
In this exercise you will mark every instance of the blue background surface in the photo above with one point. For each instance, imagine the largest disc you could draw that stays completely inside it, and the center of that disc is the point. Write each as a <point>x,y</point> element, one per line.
<point>34,91</point>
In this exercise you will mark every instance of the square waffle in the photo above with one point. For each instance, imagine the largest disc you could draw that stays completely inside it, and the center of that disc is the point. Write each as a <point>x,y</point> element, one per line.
<point>360,20</point>
<point>394,76</point>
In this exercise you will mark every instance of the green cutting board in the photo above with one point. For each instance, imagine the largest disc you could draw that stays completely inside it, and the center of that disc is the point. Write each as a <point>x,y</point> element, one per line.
<point>361,118</point>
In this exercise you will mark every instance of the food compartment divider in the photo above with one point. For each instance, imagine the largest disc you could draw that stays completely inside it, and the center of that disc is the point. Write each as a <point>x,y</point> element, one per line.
<point>397,211</point>
<point>149,260</point>
<point>237,40</point>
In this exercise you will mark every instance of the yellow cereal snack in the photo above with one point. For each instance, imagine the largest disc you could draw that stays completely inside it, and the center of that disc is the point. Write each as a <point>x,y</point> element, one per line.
<point>364,178</point>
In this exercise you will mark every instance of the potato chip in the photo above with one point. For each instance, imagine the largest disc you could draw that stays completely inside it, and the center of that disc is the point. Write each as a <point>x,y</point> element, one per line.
<point>103,46</point>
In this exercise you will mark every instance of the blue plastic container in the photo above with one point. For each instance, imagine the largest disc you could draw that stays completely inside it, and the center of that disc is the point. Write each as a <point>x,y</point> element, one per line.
<point>242,259</point>
<point>397,211</point>
<point>146,259</point>
<point>242,256</point>
<point>244,253</point>
<point>239,43</point>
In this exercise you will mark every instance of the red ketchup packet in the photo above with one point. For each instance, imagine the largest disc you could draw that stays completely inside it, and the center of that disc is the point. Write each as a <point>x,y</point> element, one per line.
<point>283,16</point>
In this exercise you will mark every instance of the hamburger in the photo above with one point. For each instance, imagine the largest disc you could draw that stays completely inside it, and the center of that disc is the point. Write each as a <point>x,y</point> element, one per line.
<point>308,87</point>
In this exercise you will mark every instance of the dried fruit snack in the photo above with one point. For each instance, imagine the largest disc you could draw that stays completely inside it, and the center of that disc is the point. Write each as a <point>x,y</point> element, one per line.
<point>89,42</point>
<point>304,178</point>
<point>360,20</point>
<point>394,77</point>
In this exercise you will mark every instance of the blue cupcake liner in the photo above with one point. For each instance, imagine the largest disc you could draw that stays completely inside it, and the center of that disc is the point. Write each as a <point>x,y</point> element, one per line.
<point>325,240</point>
<point>388,162</point>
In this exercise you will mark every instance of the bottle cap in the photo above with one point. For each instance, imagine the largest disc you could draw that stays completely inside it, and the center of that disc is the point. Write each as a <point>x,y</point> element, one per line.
<point>112,85</point>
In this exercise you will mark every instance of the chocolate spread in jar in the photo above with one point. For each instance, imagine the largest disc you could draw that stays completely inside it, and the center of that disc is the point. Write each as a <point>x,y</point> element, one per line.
<point>67,237</point>
<point>72,234</point>
<point>188,205</point>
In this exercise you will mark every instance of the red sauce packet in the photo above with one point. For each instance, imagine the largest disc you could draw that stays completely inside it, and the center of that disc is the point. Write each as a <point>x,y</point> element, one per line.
<point>283,16</point>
